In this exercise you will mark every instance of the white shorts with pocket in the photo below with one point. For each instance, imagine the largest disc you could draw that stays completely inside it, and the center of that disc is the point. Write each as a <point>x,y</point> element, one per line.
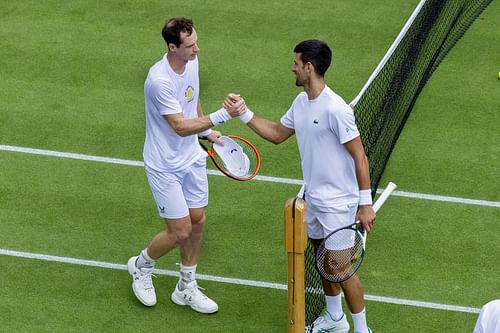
<point>321,221</point>
<point>176,192</point>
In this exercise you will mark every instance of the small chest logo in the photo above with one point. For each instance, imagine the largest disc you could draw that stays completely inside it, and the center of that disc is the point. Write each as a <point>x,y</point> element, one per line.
<point>189,94</point>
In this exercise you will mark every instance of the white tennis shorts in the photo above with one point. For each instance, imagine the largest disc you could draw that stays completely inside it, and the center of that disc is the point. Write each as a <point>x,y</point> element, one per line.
<point>176,192</point>
<point>321,221</point>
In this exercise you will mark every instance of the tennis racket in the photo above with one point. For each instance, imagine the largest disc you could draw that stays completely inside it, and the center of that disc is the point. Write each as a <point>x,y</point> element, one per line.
<point>340,254</point>
<point>238,159</point>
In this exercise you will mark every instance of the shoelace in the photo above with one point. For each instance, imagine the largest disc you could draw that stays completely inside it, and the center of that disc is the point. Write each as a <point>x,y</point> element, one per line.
<point>196,290</point>
<point>147,280</point>
<point>318,320</point>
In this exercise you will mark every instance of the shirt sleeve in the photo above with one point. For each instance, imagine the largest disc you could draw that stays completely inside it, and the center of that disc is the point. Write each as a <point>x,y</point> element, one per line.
<point>287,119</point>
<point>343,123</point>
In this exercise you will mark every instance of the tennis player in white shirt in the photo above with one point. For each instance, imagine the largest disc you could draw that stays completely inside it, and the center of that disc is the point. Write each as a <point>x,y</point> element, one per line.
<point>175,165</point>
<point>334,167</point>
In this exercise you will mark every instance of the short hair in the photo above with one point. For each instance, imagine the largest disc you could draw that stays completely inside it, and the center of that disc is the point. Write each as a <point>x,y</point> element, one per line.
<point>173,28</point>
<point>317,53</point>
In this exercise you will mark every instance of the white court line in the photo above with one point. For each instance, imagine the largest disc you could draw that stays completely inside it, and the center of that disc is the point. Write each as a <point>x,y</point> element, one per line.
<point>243,282</point>
<point>413,195</point>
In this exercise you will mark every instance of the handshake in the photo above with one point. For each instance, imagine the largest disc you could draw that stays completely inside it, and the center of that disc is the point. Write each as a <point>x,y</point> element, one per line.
<point>233,106</point>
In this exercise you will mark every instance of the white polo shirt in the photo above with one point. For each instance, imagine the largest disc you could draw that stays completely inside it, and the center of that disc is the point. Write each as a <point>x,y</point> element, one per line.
<point>167,92</point>
<point>322,126</point>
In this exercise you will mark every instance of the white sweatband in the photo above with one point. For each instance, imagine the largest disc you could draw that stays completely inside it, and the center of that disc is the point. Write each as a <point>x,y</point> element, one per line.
<point>205,133</point>
<point>219,117</point>
<point>247,116</point>
<point>365,197</point>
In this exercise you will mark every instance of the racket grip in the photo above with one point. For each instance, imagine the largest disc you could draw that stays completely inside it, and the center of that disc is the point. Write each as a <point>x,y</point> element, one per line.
<point>300,194</point>
<point>383,197</point>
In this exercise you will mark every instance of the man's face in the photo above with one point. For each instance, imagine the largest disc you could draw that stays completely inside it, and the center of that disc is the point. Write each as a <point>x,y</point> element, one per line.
<point>188,49</point>
<point>299,69</point>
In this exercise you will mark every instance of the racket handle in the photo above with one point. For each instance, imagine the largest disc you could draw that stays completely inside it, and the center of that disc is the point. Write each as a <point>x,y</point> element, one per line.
<point>383,197</point>
<point>301,192</point>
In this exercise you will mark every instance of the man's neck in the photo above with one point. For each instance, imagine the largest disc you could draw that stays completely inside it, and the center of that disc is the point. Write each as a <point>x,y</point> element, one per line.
<point>314,88</point>
<point>178,65</point>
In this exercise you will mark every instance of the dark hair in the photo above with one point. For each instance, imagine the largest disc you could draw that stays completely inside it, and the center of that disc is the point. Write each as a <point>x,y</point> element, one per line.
<point>171,32</point>
<point>317,53</point>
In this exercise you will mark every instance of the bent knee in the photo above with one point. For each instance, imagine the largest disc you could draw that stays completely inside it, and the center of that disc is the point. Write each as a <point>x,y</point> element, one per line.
<point>180,230</point>
<point>197,216</point>
<point>200,222</point>
<point>182,234</point>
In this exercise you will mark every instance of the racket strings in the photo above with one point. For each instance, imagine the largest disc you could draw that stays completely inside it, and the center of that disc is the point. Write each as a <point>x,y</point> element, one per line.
<point>237,164</point>
<point>238,158</point>
<point>252,158</point>
<point>340,255</point>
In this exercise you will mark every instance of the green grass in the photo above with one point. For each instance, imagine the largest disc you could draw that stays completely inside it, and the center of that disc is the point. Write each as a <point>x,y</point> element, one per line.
<point>72,80</point>
<point>99,300</point>
<point>65,218</point>
<point>437,255</point>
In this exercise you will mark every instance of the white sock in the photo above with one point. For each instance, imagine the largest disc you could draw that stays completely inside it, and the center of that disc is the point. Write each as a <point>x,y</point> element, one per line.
<point>334,306</point>
<point>144,260</point>
<point>359,321</point>
<point>188,274</point>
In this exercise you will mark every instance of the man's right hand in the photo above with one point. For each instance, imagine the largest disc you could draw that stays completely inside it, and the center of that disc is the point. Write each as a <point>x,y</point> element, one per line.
<point>235,105</point>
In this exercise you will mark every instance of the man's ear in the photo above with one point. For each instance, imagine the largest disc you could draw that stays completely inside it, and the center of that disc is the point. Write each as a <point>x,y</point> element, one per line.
<point>309,67</point>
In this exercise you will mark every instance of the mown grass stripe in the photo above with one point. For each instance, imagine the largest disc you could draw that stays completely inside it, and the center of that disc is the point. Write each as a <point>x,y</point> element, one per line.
<point>243,282</point>
<point>281,180</point>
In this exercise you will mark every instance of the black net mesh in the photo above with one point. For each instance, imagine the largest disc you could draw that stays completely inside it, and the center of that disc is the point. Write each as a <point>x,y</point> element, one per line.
<point>385,106</point>
<point>383,109</point>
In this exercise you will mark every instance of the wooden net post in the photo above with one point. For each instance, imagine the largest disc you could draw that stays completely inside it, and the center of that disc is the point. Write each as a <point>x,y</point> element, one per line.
<point>295,245</point>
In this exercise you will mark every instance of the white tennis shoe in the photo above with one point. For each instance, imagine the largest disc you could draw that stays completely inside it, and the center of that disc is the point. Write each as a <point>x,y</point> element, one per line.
<point>195,298</point>
<point>142,285</point>
<point>326,324</point>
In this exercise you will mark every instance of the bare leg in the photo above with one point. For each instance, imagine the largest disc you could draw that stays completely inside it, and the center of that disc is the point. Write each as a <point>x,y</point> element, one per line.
<point>354,294</point>
<point>187,232</point>
<point>177,232</point>
<point>190,250</point>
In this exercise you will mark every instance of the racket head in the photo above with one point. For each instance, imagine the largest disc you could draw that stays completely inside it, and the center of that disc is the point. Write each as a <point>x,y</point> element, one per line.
<point>340,254</point>
<point>238,159</point>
